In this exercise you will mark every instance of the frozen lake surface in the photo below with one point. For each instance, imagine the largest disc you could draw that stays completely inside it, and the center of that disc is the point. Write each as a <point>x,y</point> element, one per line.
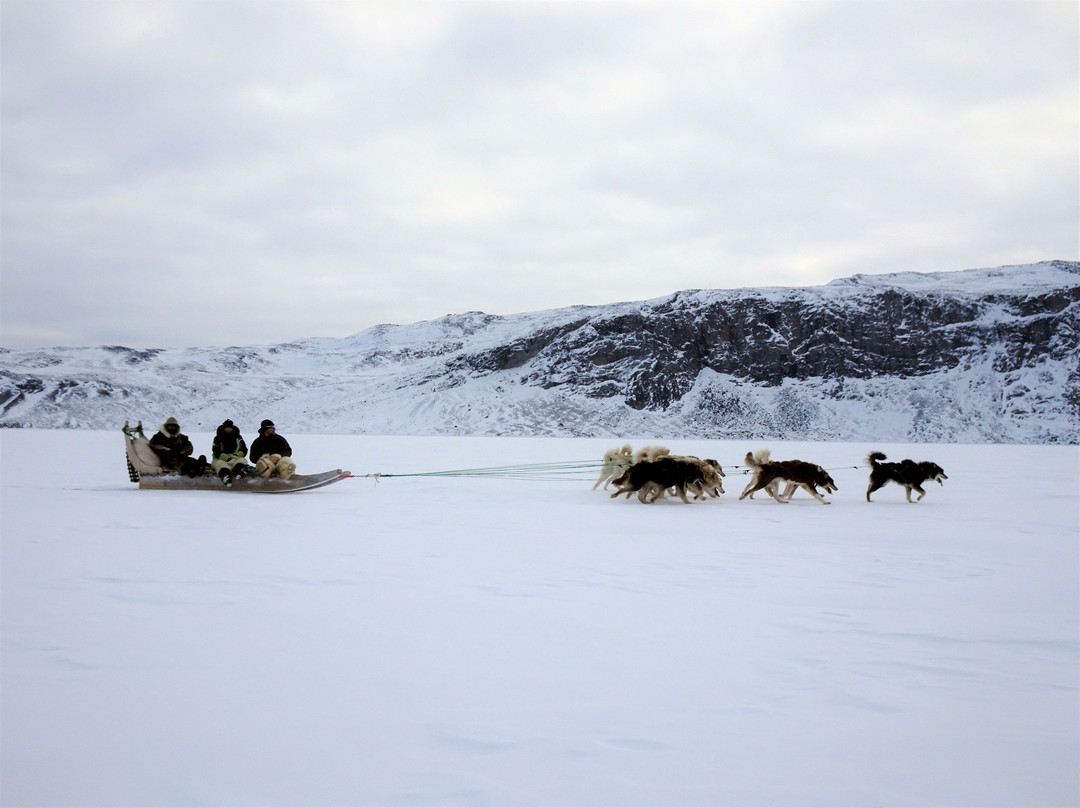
<point>471,641</point>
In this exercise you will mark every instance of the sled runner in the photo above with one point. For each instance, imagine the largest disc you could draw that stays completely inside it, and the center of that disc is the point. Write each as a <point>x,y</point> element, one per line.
<point>255,485</point>
<point>144,468</point>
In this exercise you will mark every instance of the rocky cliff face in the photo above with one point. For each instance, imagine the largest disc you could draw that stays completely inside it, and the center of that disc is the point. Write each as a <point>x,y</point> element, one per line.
<point>980,355</point>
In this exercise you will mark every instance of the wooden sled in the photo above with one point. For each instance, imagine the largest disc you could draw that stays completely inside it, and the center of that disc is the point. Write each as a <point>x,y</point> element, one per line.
<point>145,469</point>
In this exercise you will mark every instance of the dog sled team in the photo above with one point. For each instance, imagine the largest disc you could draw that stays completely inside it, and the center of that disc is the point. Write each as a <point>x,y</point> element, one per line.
<point>653,472</point>
<point>173,452</point>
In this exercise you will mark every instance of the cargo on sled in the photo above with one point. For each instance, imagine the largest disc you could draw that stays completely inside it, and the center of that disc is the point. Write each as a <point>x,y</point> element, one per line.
<point>144,468</point>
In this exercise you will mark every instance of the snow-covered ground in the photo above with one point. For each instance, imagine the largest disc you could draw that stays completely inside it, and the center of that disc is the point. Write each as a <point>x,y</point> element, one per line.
<point>472,641</point>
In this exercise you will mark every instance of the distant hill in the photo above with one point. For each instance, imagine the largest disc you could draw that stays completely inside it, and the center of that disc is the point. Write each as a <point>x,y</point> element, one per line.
<point>981,355</point>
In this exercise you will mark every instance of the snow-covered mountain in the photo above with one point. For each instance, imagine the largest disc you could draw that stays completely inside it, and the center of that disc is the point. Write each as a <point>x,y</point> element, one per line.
<point>982,355</point>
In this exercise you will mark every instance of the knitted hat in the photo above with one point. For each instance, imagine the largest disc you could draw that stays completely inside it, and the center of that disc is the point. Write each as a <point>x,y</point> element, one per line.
<point>265,424</point>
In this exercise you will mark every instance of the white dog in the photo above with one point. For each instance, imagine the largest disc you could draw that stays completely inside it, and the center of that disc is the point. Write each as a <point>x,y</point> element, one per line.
<point>651,454</point>
<point>615,463</point>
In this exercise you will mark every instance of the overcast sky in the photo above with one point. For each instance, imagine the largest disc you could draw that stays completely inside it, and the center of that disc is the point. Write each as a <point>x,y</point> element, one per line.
<point>232,173</point>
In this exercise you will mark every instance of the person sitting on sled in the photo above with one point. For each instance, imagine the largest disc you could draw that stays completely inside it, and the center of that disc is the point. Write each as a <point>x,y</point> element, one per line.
<point>174,450</point>
<point>229,451</point>
<point>272,453</point>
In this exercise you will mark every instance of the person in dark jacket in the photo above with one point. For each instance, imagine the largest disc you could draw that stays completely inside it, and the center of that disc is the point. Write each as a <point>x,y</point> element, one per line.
<point>272,453</point>
<point>174,449</point>
<point>229,451</point>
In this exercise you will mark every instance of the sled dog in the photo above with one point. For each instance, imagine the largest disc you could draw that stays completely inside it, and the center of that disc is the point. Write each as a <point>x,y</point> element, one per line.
<point>651,454</point>
<point>907,473</point>
<point>615,463</point>
<point>710,483</point>
<point>655,477</point>
<point>768,474</point>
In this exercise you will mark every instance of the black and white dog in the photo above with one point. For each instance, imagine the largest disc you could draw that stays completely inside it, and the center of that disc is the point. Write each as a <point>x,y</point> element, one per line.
<point>655,477</point>
<point>907,473</point>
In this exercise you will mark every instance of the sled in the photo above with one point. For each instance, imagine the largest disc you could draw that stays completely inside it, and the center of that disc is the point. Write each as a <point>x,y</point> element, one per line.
<point>253,485</point>
<point>144,468</point>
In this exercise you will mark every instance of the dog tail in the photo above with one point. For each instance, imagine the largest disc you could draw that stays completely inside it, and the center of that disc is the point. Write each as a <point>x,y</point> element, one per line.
<point>874,457</point>
<point>761,456</point>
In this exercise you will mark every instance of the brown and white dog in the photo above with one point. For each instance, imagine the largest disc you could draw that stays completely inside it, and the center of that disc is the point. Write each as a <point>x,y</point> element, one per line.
<point>907,473</point>
<point>768,475</point>
<point>615,463</point>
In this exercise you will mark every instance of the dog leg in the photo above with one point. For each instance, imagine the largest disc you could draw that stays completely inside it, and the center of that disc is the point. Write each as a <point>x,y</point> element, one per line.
<point>608,472</point>
<point>813,492</point>
<point>751,487</point>
<point>749,490</point>
<point>772,492</point>
<point>651,488</point>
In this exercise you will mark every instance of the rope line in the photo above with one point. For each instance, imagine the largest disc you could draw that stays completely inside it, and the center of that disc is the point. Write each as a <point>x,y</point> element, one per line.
<point>545,471</point>
<point>529,471</point>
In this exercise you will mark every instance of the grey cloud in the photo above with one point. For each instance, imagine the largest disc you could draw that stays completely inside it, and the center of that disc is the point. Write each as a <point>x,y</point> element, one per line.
<point>333,165</point>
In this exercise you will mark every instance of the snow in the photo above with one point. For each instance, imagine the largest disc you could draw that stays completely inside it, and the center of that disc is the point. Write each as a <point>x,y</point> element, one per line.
<point>480,374</point>
<point>1030,278</point>
<point>471,641</point>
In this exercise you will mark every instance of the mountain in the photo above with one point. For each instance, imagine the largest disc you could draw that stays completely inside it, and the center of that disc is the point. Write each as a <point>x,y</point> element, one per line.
<point>981,355</point>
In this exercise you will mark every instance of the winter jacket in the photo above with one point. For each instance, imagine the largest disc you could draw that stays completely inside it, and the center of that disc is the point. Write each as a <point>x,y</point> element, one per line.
<point>230,445</point>
<point>269,444</point>
<point>171,448</point>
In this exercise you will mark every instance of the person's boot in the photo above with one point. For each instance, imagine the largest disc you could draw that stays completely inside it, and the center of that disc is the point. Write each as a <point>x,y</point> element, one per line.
<point>226,477</point>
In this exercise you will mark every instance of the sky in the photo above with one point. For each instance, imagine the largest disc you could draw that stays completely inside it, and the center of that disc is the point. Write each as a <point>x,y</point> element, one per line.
<point>207,173</point>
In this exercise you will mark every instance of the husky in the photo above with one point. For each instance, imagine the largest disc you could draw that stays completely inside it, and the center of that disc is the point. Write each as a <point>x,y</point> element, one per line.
<point>654,478</point>
<point>615,463</point>
<point>651,454</point>
<point>907,473</point>
<point>768,475</point>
